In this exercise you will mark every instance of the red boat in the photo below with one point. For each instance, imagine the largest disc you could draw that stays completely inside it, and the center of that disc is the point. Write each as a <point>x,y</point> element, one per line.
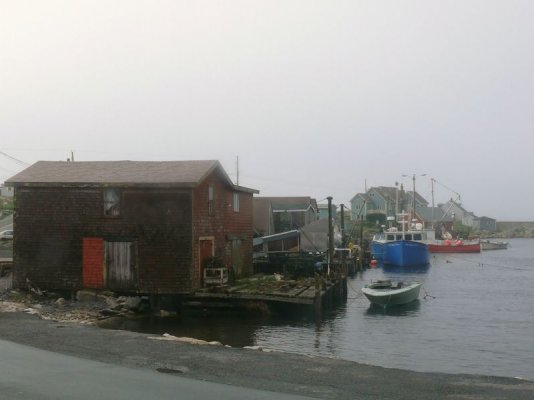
<point>455,246</point>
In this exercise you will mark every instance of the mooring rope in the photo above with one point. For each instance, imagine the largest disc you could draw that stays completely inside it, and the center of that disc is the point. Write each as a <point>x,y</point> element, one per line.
<point>427,295</point>
<point>482,264</point>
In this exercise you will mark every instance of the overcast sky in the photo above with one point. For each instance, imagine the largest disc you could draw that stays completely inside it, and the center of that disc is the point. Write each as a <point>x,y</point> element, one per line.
<point>317,98</point>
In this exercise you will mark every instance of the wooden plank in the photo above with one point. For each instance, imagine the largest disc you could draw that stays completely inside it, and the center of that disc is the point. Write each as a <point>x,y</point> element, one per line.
<point>308,293</point>
<point>242,296</point>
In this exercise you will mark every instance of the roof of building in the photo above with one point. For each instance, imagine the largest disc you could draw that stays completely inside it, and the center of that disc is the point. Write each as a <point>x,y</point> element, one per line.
<point>425,213</point>
<point>362,195</point>
<point>120,173</point>
<point>386,191</point>
<point>302,203</point>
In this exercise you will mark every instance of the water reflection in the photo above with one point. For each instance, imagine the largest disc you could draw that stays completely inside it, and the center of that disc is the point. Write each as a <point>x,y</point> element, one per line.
<point>410,309</point>
<point>416,269</point>
<point>233,330</point>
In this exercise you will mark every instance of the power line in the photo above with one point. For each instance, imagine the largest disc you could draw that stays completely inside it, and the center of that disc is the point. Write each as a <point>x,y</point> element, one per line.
<point>16,160</point>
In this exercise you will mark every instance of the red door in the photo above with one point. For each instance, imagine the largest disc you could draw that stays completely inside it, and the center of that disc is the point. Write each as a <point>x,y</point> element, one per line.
<point>93,263</point>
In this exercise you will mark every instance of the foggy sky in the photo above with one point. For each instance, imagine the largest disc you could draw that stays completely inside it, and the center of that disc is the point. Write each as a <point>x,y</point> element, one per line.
<point>317,98</point>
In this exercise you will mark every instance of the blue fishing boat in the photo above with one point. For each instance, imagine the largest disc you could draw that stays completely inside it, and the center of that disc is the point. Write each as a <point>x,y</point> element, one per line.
<point>404,248</point>
<point>406,253</point>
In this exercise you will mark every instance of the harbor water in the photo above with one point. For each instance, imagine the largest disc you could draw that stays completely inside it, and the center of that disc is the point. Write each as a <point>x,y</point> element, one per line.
<point>475,315</point>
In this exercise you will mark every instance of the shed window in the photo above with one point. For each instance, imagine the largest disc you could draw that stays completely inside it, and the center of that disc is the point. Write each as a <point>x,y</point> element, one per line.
<point>112,202</point>
<point>236,202</point>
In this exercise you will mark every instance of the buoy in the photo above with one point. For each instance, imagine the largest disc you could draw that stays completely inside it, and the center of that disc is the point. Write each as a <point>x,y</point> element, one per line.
<point>373,263</point>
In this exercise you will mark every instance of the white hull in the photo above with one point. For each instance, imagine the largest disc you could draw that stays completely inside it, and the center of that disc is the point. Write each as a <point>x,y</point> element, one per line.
<point>490,245</point>
<point>393,296</point>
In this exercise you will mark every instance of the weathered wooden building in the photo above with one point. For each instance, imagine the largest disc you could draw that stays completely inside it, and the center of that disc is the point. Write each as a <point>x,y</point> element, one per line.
<point>144,227</point>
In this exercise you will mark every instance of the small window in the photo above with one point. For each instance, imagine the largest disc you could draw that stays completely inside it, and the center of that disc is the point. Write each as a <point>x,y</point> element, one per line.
<point>390,237</point>
<point>417,236</point>
<point>210,200</point>
<point>112,199</point>
<point>236,202</point>
<point>408,236</point>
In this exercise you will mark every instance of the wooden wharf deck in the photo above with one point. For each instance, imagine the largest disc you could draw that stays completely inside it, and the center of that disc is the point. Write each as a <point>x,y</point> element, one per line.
<point>316,293</point>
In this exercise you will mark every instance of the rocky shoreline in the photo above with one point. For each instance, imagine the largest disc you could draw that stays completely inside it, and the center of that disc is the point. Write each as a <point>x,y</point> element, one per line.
<point>88,308</point>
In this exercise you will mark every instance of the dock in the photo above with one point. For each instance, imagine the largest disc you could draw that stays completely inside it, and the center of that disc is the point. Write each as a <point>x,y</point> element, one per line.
<point>316,294</point>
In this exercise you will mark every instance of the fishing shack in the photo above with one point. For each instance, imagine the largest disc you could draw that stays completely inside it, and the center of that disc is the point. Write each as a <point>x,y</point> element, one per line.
<point>128,226</point>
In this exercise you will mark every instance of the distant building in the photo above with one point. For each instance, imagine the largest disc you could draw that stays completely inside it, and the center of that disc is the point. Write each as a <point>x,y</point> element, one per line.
<point>281,214</point>
<point>382,201</point>
<point>457,212</point>
<point>485,224</point>
<point>323,210</point>
<point>6,191</point>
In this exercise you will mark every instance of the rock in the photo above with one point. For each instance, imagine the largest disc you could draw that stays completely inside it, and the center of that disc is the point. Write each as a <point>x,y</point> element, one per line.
<point>133,303</point>
<point>253,348</point>
<point>60,302</point>
<point>111,302</point>
<point>85,296</point>
<point>108,312</point>
<point>165,313</point>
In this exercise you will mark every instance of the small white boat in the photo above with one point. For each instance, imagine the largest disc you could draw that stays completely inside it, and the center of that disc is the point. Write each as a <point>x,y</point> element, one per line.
<point>387,293</point>
<point>493,245</point>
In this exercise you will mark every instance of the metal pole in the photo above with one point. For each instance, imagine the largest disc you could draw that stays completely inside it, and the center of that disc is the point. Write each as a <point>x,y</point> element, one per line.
<point>432,182</point>
<point>330,235</point>
<point>342,225</point>
<point>413,208</point>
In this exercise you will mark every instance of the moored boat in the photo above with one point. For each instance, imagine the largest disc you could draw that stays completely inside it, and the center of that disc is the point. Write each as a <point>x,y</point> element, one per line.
<point>493,245</point>
<point>457,246</point>
<point>405,248</point>
<point>387,293</point>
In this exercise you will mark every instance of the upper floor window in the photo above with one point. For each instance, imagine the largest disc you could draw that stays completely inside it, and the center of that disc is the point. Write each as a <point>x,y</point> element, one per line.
<point>236,202</point>
<point>112,199</point>
<point>210,200</point>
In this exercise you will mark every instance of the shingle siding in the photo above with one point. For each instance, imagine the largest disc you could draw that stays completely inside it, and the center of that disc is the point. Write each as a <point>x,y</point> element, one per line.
<point>52,222</point>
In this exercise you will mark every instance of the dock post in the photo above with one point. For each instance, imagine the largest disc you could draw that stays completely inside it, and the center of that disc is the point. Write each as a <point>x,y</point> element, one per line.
<point>318,298</point>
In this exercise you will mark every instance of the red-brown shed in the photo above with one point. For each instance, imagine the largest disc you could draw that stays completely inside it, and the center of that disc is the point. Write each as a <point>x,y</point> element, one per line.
<point>131,226</point>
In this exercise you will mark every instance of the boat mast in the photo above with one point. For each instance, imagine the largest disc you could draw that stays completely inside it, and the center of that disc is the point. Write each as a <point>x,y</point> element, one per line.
<point>413,194</point>
<point>432,221</point>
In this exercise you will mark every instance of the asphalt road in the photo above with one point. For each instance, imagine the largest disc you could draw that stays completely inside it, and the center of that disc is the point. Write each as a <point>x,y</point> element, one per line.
<point>29,373</point>
<point>282,373</point>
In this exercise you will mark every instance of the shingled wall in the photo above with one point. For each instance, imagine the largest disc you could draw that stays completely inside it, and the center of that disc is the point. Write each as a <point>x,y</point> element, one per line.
<point>51,223</point>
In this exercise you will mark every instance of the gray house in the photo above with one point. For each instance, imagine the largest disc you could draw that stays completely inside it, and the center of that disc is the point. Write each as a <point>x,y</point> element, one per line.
<point>381,202</point>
